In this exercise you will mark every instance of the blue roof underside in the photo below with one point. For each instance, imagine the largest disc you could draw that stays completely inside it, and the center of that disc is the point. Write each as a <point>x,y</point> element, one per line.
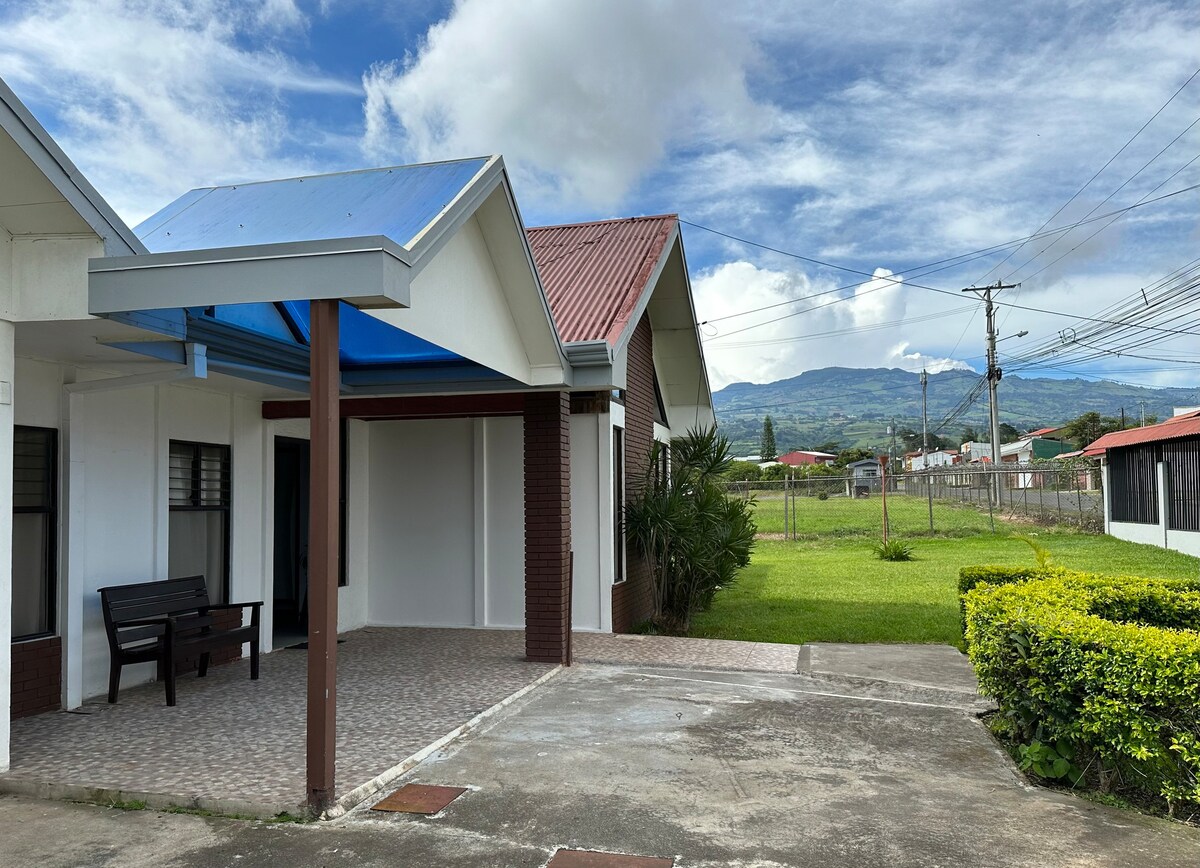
<point>397,202</point>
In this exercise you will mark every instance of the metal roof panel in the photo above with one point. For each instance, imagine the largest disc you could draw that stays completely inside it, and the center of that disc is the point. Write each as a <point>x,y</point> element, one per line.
<point>596,273</point>
<point>1187,425</point>
<point>396,202</point>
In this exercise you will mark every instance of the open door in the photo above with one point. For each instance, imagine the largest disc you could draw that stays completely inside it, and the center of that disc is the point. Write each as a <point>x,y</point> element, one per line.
<point>290,601</point>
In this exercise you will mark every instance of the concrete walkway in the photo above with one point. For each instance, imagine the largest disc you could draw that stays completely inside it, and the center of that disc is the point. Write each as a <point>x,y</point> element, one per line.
<point>848,765</point>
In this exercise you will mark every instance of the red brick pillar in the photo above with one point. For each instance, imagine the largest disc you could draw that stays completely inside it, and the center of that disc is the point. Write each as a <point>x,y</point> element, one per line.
<point>547,525</point>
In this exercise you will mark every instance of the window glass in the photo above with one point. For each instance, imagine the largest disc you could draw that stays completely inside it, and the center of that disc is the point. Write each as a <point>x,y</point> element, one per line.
<point>198,525</point>
<point>35,522</point>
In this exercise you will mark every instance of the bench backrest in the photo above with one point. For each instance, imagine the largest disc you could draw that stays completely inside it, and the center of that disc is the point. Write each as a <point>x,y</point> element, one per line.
<point>123,603</point>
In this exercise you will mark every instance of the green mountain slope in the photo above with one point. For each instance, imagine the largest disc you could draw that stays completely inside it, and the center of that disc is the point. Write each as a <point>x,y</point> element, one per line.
<point>854,406</point>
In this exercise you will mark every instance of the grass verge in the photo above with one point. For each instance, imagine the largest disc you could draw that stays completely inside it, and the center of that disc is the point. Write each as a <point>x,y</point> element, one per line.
<point>835,590</point>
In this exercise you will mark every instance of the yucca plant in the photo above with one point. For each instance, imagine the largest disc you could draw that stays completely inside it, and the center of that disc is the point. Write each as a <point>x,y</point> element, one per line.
<point>694,536</point>
<point>894,550</point>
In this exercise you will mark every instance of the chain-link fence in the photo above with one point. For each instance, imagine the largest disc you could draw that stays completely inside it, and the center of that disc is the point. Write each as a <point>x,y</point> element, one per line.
<point>950,501</point>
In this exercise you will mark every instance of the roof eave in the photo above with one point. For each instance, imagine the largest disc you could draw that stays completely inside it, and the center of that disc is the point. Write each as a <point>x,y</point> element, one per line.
<point>32,138</point>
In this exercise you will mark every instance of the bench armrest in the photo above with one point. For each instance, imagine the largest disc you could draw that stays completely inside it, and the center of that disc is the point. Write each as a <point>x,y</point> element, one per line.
<point>219,606</point>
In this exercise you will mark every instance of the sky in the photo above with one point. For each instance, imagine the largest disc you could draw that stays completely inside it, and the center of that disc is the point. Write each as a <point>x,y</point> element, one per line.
<point>859,141</point>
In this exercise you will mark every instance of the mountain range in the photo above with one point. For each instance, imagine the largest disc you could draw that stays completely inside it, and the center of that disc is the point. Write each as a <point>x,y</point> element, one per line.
<point>855,406</point>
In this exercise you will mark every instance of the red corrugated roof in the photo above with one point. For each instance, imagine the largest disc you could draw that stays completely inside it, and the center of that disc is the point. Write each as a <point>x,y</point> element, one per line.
<point>1186,425</point>
<point>595,273</point>
<point>1041,432</point>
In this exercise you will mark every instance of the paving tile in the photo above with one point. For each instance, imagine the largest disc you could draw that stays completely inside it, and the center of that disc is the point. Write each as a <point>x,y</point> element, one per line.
<point>594,859</point>
<point>232,738</point>
<point>419,799</point>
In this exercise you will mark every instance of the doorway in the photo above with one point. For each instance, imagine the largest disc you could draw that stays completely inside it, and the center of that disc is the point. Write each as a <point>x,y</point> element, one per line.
<point>290,599</point>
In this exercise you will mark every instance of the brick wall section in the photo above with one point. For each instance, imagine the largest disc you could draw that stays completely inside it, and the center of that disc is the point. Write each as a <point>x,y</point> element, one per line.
<point>36,676</point>
<point>547,525</point>
<point>633,600</point>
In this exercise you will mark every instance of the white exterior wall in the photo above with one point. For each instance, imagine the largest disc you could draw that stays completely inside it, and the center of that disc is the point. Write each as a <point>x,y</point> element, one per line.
<point>113,498</point>
<point>447,523</point>
<point>7,376</point>
<point>592,521</point>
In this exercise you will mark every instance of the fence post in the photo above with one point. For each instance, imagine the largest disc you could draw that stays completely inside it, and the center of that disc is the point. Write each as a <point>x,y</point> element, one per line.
<point>1078,495</point>
<point>929,497</point>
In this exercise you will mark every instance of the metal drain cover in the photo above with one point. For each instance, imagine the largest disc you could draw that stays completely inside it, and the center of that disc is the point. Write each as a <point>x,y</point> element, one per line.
<point>419,799</point>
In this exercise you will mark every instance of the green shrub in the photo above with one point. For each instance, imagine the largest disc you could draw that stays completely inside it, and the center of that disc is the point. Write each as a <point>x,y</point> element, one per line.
<point>1100,672</point>
<point>693,535</point>
<point>970,577</point>
<point>894,550</point>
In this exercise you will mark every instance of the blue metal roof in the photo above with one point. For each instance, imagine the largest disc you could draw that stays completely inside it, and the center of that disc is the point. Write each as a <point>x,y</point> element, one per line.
<point>266,340</point>
<point>396,202</point>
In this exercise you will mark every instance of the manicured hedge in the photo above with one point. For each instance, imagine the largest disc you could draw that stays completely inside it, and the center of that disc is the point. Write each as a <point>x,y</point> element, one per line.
<point>1107,669</point>
<point>970,577</point>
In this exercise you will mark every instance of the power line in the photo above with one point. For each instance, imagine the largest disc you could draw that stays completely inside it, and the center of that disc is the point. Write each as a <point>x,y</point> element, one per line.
<point>902,281</point>
<point>1099,171</point>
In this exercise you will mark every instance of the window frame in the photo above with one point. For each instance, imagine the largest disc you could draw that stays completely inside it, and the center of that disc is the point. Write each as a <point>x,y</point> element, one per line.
<point>620,574</point>
<point>52,532</point>
<point>227,507</point>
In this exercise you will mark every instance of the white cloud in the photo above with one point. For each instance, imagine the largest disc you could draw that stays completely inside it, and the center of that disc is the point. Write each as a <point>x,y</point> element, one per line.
<point>857,327</point>
<point>582,98</point>
<point>159,96</point>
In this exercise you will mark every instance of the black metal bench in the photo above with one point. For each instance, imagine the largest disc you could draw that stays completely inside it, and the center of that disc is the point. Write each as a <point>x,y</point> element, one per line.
<point>159,621</point>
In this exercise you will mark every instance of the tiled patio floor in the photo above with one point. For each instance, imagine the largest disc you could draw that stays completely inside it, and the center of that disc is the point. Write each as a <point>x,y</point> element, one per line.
<point>234,741</point>
<point>238,745</point>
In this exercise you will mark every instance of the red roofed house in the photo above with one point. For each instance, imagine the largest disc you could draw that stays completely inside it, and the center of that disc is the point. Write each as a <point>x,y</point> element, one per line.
<point>465,403</point>
<point>801,457</point>
<point>1152,483</point>
<point>619,294</point>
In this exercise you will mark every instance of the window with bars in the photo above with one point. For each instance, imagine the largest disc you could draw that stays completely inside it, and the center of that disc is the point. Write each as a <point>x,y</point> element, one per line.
<point>1182,458</point>
<point>35,531</point>
<point>200,481</point>
<point>1133,484</point>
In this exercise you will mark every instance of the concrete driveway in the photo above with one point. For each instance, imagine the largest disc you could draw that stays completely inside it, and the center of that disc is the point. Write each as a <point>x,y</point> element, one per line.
<point>708,768</point>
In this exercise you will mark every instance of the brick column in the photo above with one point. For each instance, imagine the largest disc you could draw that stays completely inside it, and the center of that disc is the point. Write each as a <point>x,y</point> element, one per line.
<point>547,525</point>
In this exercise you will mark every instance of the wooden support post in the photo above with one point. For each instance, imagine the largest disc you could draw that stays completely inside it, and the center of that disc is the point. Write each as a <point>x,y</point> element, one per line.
<point>325,435</point>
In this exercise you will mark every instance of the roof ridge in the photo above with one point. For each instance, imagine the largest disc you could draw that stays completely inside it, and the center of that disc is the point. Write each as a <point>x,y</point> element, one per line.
<point>583,223</point>
<point>235,184</point>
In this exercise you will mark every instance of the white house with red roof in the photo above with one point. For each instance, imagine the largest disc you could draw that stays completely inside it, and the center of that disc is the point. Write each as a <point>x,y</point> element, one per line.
<point>1152,483</point>
<point>477,399</point>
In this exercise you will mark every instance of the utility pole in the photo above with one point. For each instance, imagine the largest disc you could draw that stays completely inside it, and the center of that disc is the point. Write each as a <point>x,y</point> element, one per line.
<point>993,370</point>
<point>925,415</point>
<point>1142,404</point>
<point>925,444</point>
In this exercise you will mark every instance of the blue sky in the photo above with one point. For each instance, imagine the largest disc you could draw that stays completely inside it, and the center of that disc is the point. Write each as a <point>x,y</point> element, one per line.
<point>875,136</point>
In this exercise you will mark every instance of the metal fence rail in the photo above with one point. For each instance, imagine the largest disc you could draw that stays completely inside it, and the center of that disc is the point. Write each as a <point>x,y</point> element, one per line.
<point>944,501</point>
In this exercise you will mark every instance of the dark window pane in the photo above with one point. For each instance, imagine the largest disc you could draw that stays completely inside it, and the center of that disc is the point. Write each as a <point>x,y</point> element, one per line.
<point>32,578</point>
<point>197,546</point>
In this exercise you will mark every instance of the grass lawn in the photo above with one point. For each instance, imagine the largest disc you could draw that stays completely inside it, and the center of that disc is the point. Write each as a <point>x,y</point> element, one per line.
<point>841,516</point>
<point>835,590</point>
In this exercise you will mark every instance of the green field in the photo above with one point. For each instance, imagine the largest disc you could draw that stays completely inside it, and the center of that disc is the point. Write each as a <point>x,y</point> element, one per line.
<point>841,516</point>
<point>835,590</point>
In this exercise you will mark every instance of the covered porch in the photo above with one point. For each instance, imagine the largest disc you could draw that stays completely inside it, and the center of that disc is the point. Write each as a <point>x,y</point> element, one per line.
<point>237,746</point>
<point>233,745</point>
